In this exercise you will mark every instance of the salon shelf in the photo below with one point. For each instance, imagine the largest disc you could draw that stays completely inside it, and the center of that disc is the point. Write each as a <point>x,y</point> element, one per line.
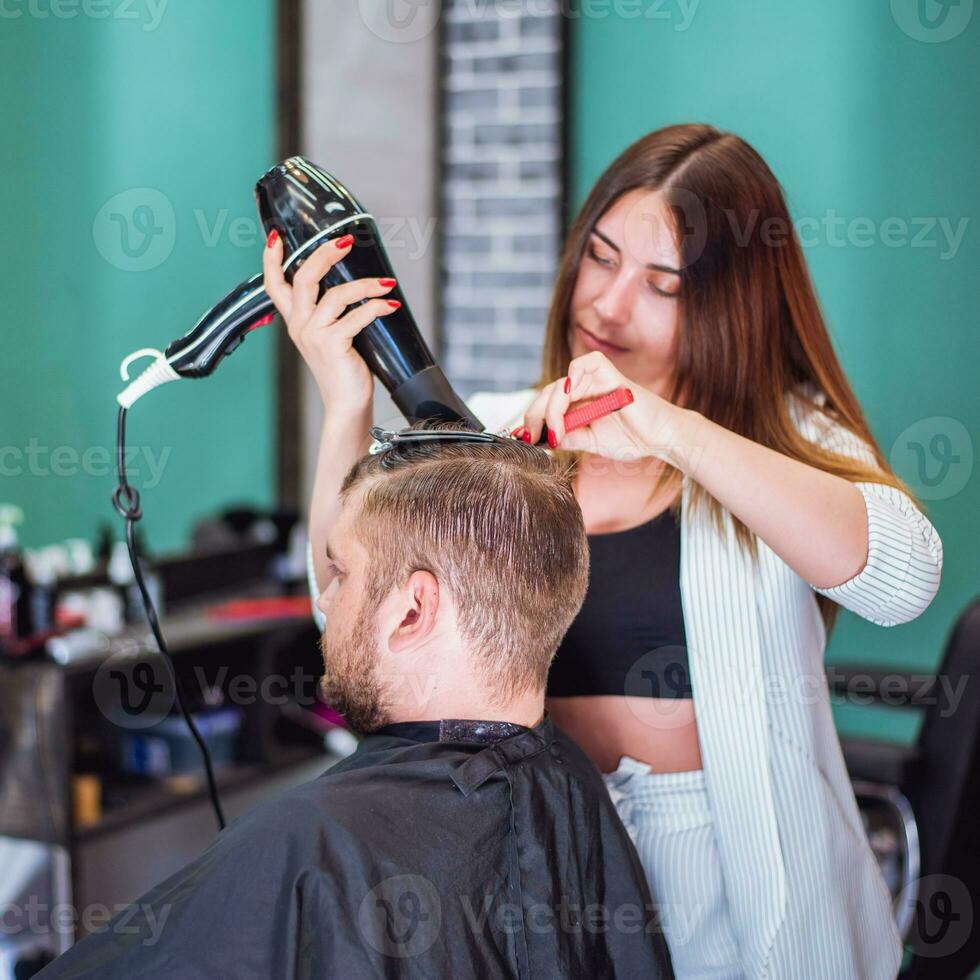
<point>154,799</point>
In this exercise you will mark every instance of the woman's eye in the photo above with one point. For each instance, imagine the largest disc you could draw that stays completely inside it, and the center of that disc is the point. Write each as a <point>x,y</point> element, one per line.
<point>593,254</point>
<point>663,292</point>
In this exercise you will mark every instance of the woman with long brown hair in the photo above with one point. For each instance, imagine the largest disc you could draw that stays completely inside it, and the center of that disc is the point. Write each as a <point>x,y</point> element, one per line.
<point>694,673</point>
<point>731,509</point>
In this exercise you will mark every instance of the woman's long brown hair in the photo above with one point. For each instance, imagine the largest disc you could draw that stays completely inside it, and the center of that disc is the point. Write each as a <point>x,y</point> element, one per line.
<point>750,329</point>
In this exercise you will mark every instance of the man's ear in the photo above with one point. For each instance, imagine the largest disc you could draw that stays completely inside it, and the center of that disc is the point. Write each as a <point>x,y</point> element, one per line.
<point>418,603</point>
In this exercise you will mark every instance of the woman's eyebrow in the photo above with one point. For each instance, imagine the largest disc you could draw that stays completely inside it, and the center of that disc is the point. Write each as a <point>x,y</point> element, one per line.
<point>656,267</point>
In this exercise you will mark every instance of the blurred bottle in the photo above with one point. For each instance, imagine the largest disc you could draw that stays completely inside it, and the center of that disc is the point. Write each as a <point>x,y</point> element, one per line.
<point>15,599</point>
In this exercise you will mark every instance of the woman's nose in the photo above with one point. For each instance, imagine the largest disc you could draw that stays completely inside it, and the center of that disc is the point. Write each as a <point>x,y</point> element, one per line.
<point>615,302</point>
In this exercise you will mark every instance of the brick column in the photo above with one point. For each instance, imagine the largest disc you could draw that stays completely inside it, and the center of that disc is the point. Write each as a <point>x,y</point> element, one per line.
<point>502,138</point>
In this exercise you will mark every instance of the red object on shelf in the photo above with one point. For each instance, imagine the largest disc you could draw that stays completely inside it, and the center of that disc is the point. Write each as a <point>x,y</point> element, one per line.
<point>273,607</point>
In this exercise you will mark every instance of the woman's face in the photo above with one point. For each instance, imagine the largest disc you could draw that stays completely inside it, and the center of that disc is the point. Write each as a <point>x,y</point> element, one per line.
<point>625,301</point>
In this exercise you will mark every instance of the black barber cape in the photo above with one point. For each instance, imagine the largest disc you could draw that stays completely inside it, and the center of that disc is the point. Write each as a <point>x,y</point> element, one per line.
<point>442,849</point>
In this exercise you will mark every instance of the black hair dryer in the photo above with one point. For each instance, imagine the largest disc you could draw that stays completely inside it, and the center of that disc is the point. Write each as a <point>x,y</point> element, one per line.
<point>307,206</point>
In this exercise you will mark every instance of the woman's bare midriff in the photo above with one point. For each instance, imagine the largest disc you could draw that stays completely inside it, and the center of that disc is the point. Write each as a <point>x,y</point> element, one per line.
<point>662,732</point>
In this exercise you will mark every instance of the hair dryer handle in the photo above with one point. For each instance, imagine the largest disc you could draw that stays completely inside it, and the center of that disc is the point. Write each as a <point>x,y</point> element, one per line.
<point>221,330</point>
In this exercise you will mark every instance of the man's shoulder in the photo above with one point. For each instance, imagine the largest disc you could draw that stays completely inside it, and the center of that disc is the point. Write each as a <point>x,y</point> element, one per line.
<point>358,789</point>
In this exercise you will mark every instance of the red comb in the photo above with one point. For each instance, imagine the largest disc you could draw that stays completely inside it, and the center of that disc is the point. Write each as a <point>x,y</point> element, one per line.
<point>586,414</point>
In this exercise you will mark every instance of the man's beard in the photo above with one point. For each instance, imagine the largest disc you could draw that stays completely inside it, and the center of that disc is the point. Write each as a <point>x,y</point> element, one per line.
<point>350,682</point>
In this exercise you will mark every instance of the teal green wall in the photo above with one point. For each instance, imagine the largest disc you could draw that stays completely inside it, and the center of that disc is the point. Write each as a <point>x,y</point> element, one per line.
<point>183,104</point>
<point>856,116</point>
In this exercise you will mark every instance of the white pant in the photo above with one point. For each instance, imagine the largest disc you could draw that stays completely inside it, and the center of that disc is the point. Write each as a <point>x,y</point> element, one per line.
<point>669,819</point>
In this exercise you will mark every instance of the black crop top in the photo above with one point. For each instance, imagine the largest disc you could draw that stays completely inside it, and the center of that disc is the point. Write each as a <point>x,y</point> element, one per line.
<point>628,637</point>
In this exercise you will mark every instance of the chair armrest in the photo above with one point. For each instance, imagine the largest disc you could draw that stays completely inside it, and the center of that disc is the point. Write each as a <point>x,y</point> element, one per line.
<point>898,688</point>
<point>874,761</point>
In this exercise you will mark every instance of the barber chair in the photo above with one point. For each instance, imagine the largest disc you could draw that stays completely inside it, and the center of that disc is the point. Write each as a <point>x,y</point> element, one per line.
<point>921,802</point>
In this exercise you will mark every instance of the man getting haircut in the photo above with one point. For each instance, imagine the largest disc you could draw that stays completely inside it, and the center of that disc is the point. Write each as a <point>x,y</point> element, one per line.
<point>466,836</point>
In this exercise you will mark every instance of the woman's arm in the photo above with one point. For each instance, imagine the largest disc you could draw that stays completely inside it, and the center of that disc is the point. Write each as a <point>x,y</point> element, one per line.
<point>816,522</point>
<point>865,545</point>
<point>342,443</point>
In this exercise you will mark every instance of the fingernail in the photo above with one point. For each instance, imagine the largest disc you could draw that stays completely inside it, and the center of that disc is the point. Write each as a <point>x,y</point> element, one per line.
<point>272,239</point>
<point>345,241</point>
<point>568,385</point>
<point>552,439</point>
<point>387,282</point>
<point>517,432</point>
<point>393,303</point>
<point>526,436</point>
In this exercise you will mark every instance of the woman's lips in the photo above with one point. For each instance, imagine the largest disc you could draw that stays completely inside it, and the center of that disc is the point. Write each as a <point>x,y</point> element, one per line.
<point>594,343</point>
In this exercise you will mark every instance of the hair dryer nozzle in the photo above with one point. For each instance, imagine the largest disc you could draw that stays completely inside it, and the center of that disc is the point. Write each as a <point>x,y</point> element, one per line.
<point>308,206</point>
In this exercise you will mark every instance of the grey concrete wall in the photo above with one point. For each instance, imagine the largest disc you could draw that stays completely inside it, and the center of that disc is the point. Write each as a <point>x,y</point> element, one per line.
<point>369,117</point>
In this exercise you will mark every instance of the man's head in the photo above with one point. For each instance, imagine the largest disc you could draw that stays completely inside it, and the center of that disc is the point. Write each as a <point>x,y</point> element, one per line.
<point>456,570</point>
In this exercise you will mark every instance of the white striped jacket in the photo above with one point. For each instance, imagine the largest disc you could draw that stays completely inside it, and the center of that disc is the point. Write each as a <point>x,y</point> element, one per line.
<point>807,897</point>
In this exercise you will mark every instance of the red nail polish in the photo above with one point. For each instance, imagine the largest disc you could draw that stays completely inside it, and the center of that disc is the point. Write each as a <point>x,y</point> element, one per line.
<point>568,385</point>
<point>517,432</point>
<point>272,239</point>
<point>345,241</point>
<point>552,439</point>
<point>393,303</point>
<point>526,436</point>
<point>387,282</point>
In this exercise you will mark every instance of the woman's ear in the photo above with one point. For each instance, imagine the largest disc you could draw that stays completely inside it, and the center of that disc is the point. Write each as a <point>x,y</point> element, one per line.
<point>418,605</point>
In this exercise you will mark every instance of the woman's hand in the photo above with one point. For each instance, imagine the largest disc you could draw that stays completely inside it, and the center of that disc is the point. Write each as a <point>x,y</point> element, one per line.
<point>644,428</point>
<point>323,337</point>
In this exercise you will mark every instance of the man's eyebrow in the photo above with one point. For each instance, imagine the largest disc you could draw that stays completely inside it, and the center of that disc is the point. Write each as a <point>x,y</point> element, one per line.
<point>656,267</point>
